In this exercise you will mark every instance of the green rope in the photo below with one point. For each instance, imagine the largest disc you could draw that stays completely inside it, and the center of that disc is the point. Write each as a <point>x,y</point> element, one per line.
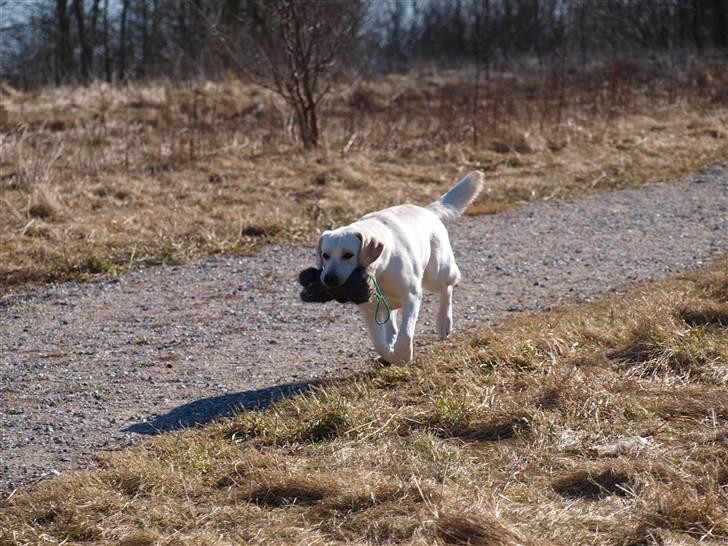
<point>380,299</point>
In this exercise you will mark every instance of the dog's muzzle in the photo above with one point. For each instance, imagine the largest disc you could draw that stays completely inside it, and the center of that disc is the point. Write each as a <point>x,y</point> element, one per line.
<point>331,280</point>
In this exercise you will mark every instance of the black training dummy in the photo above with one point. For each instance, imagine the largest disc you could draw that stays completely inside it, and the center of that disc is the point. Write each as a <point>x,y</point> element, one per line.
<point>356,289</point>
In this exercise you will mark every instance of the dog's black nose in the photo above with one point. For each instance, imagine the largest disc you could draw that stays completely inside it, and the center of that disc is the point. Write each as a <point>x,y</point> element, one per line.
<point>331,280</point>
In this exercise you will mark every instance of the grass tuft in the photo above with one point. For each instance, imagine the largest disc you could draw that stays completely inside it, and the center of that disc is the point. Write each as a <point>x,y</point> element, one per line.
<point>594,484</point>
<point>330,424</point>
<point>127,482</point>
<point>168,254</point>
<point>465,527</point>
<point>701,313</point>
<point>301,490</point>
<point>494,429</point>
<point>269,231</point>
<point>44,205</point>
<point>98,265</point>
<point>140,537</point>
<point>359,501</point>
<point>82,533</point>
<point>686,510</point>
<point>664,349</point>
<point>391,376</point>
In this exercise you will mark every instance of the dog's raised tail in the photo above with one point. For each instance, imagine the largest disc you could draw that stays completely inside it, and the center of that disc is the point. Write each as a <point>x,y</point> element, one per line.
<point>453,203</point>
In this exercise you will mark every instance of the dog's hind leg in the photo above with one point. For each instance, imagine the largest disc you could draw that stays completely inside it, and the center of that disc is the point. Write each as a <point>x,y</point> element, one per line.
<point>444,313</point>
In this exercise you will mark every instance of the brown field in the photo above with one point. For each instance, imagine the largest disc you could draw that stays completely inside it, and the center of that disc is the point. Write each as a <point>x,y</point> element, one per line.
<point>603,424</point>
<point>98,180</point>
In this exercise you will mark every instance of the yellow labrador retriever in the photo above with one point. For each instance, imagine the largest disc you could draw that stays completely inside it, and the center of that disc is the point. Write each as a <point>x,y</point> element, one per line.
<point>407,249</point>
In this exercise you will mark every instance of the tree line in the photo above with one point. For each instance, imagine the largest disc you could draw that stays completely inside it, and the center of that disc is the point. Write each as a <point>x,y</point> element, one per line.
<point>77,41</point>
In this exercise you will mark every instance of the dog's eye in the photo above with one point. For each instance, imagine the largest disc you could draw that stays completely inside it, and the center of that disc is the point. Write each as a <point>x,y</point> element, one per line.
<point>348,255</point>
<point>326,256</point>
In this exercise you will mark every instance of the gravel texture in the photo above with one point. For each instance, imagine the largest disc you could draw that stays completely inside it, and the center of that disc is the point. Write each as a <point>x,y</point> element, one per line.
<point>89,367</point>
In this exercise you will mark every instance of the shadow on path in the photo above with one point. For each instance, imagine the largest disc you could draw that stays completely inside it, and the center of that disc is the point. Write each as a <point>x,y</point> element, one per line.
<point>203,411</point>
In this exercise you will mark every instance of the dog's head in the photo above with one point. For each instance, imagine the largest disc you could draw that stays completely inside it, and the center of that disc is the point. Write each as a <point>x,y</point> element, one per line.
<point>341,251</point>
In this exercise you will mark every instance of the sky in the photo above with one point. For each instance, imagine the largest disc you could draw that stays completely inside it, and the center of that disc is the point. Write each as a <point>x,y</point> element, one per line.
<point>17,11</point>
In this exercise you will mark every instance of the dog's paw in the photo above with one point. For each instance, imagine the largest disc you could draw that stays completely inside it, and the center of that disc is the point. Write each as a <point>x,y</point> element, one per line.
<point>387,355</point>
<point>401,359</point>
<point>403,352</point>
<point>444,327</point>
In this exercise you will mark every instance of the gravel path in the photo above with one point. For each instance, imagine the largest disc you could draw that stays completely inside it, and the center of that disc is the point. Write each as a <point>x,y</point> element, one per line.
<point>98,366</point>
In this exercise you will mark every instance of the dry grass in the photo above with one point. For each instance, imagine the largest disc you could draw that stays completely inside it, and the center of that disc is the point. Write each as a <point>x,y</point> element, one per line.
<point>603,424</point>
<point>98,180</point>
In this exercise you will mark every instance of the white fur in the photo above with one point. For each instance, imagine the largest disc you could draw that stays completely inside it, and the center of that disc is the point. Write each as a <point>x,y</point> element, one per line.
<point>407,249</point>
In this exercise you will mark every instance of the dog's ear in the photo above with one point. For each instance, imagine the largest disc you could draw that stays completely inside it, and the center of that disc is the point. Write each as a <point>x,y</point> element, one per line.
<point>371,248</point>
<point>319,259</point>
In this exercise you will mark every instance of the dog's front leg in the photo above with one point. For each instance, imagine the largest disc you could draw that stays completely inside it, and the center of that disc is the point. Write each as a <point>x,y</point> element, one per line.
<point>382,336</point>
<point>404,346</point>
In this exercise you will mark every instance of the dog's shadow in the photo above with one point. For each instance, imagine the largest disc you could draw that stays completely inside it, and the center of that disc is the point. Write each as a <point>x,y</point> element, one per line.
<point>205,410</point>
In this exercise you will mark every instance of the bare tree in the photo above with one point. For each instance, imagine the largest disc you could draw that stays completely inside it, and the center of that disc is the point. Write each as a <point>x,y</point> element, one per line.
<point>720,23</point>
<point>93,32</point>
<point>83,39</point>
<point>123,39</point>
<point>300,44</point>
<point>64,48</point>
<point>480,15</point>
<point>107,50</point>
